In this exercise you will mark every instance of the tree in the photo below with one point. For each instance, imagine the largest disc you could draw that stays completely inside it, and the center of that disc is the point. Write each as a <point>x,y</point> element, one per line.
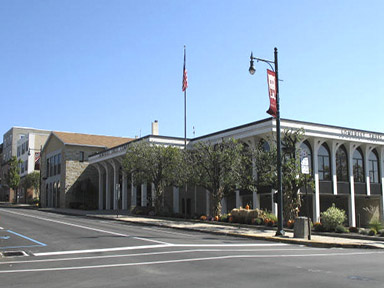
<point>32,180</point>
<point>218,168</point>
<point>13,176</point>
<point>293,179</point>
<point>150,163</point>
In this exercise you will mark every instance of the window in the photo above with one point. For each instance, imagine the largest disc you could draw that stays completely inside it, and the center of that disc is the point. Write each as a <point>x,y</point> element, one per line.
<point>342,164</point>
<point>373,167</point>
<point>264,145</point>
<point>82,156</point>
<point>55,165</point>
<point>51,161</point>
<point>305,147</point>
<point>323,157</point>
<point>358,166</point>
<point>58,163</point>
<point>48,168</point>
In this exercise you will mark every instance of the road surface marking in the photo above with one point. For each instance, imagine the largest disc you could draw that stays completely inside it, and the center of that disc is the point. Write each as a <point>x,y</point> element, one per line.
<point>86,227</point>
<point>152,253</point>
<point>152,247</point>
<point>27,238</point>
<point>184,261</point>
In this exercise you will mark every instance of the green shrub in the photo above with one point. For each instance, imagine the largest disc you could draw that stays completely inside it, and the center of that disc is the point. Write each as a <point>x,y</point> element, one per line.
<point>257,221</point>
<point>333,217</point>
<point>375,224</point>
<point>381,233</point>
<point>341,229</point>
<point>224,218</point>
<point>372,232</point>
<point>363,231</point>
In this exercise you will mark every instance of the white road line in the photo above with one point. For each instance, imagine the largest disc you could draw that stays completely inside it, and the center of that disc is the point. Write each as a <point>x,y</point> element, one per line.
<point>87,251</point>
<point>152,253</point>
<point>101,250</point>
<point>85,227</point>
<point>184,261</point>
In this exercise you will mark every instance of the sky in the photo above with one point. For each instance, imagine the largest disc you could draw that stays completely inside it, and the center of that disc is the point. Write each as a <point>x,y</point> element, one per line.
<point>111,67</point>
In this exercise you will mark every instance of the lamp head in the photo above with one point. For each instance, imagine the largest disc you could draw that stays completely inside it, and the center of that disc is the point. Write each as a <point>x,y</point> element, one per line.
<point>252,69</point>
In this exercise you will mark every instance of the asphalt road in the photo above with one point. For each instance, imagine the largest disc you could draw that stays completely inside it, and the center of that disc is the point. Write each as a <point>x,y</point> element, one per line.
<point>68,251</point>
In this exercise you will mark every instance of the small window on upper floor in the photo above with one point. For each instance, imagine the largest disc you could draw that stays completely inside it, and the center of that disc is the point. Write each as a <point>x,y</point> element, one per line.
<point>82,156</point>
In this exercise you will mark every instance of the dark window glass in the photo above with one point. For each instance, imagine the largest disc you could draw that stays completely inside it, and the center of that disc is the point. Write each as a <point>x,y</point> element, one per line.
<point>373,167</point>
<point>358,166</point>
<point>58,163</point>
<point>324,160</point>
<point>341,164</point>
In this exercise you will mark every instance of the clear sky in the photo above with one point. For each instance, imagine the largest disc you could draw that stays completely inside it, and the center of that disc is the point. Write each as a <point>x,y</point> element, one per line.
<point>111,67</point>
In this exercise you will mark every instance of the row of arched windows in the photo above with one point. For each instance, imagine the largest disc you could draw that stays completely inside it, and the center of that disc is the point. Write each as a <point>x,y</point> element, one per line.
<point>324,160</point>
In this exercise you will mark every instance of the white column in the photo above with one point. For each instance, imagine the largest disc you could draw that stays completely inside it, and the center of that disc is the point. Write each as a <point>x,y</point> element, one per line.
<point>381,164</point>
<point>116,168</point>
<point>176,200</point>
<point>101,196</point>
<point>125,191</point>
<point>316,199</point>
<point>352,205</point>
<point>153,191</point>
<point>107,187</point>
<point>334,148</point>
<point>133,193</point>
<point>255,195</point>
<point>144,195</point>
<point>207,198</point>
<point>224,209</point>
<point>238,199</point>
<point>256,200</point>
<point>273,204</point>
<point>367,152</point>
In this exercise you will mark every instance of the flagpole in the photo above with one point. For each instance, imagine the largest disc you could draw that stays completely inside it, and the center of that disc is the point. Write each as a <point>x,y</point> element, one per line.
<point>185,104</point>
<point>184,88</point>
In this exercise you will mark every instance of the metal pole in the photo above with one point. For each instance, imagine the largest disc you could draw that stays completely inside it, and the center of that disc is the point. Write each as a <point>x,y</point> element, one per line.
<point>185,138</point>
<point>280,230</point>
<point>307,200</point>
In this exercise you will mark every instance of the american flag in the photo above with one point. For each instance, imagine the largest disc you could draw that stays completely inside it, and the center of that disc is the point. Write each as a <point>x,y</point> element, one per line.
<point>37,157</point>
<point>185,78</point>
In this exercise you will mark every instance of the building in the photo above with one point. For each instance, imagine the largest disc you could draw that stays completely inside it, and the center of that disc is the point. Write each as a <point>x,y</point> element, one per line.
<point>346,164</point>
<point>28,153</point>
<point>10,139</point>
<point>67,180</point>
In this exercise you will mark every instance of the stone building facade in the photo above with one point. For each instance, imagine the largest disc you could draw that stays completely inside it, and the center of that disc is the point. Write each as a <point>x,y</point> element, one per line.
<point>67,179</point>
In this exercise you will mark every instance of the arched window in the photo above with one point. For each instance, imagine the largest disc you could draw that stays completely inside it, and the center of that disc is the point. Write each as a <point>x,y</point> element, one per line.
<point>373,167</point>
<point>306,147</point>
<point>342,164</point>
<point>358,166</point>
<point>264,145</point>
<point>324,160</point>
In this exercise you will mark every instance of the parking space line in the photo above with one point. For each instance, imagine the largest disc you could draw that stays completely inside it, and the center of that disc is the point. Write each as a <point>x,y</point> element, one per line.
<point>27,238</point>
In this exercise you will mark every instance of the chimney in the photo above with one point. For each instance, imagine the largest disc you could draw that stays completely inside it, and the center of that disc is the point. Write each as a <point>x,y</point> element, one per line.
<point>155,128</point>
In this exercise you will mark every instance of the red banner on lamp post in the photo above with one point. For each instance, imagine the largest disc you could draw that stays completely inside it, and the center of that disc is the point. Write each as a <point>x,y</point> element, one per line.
<point>271,77</point>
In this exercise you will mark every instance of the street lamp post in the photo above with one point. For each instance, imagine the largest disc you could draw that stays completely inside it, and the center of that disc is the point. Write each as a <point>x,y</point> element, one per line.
<point>252,70</point>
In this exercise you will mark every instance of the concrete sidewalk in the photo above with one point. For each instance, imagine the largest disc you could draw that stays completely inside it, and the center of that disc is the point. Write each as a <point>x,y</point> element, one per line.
<point>237,230</point>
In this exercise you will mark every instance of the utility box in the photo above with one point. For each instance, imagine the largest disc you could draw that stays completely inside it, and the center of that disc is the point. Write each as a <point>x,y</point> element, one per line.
<point>300,229</point>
